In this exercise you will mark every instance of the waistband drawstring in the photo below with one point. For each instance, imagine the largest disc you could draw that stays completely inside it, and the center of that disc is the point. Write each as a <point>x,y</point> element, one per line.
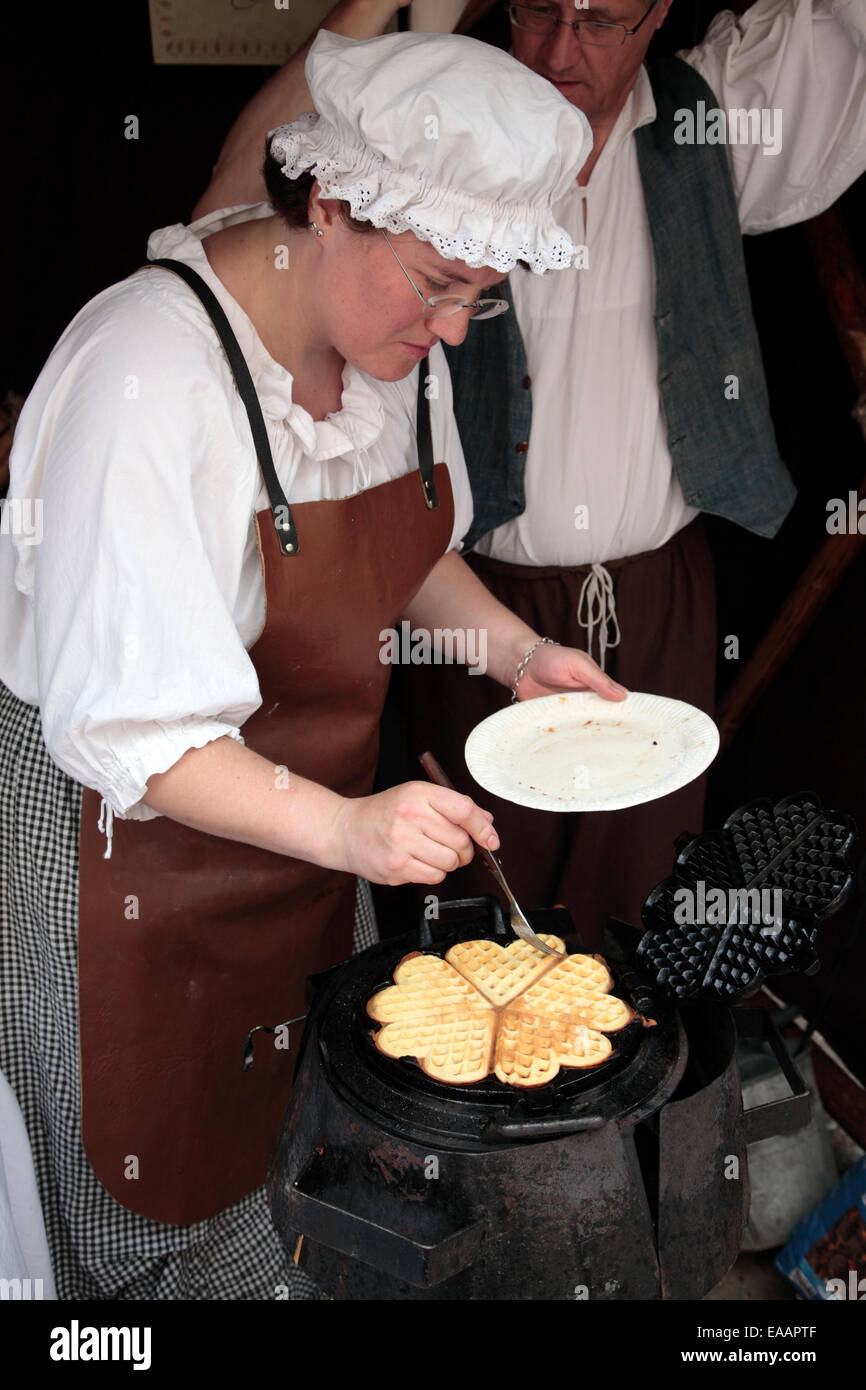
<point>597,601</point>
<point>106,824</point>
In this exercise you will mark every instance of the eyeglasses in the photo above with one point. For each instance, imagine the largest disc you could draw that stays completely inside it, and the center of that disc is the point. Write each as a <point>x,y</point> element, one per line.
<point>542,19</point>
<point>442,306</point>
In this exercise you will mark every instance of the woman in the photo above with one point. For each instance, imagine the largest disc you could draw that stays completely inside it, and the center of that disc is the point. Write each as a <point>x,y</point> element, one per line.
<point>204,646</point>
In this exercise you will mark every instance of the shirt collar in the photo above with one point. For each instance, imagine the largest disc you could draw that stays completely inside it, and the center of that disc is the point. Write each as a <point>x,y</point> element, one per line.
<point>361,418</point>
<point>639,110</point>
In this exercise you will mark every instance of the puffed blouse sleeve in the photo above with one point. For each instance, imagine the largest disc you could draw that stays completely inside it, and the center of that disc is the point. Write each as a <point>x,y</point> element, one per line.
<point>135,446</point>
<point>803,64</point>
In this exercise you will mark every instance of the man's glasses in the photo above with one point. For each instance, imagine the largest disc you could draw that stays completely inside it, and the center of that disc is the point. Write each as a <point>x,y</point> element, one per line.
<point>544,19</point>
<point>442,306</point>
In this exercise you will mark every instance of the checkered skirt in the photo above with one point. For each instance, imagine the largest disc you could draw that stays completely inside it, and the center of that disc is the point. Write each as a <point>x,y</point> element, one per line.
<point>99,1250</point>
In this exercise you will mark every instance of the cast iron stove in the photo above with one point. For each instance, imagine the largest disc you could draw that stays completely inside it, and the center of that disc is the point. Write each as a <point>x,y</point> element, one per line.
<point>612,1183</point>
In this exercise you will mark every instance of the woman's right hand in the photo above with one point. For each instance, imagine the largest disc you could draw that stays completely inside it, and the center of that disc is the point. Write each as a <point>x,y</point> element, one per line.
<point>414,833</point>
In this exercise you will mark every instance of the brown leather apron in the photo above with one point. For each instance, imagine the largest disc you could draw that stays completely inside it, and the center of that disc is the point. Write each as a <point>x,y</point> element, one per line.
<point>188,941</point>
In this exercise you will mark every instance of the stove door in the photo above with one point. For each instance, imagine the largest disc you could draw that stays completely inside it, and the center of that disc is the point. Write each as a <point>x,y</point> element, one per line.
<point>405,1226</point>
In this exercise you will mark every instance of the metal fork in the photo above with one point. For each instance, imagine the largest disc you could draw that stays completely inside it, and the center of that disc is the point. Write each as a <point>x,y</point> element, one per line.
<point>519,924</point>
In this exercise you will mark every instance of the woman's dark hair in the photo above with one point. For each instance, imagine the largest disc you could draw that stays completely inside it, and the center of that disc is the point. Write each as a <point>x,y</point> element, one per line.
<point>291,197</point>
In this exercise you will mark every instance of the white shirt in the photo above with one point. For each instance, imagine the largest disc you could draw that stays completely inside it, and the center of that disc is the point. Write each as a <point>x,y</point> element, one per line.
<point>129,623</point>
<point>23,1245</point>
<point>598,438</point>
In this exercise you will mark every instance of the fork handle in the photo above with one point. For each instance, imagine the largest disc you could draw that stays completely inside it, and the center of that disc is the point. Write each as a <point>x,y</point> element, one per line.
<point>519,924</point>
<point>437,774</point>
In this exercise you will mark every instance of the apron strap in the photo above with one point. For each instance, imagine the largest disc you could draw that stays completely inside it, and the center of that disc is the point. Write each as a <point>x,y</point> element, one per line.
<point>423,431</point>
<point>282,512</point>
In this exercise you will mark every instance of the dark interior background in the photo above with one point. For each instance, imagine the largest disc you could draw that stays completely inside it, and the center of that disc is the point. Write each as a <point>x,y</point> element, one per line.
<point>82,200</point>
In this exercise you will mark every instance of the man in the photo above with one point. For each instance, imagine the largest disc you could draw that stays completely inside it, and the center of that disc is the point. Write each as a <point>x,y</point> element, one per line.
<point>648,402</point>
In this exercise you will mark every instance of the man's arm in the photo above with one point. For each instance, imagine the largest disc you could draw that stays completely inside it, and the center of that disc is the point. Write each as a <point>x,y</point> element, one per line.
<point>237,175</point>
<point>800,67</point>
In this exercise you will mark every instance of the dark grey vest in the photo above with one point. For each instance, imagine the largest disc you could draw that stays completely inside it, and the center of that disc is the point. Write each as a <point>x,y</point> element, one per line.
<point>724,450</point>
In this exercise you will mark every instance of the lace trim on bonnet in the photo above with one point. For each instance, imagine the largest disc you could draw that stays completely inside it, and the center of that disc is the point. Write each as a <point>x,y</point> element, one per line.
<point>397,199</point>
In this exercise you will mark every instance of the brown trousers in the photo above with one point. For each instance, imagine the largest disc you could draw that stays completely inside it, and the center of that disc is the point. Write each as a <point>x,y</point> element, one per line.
<point>601,863</point>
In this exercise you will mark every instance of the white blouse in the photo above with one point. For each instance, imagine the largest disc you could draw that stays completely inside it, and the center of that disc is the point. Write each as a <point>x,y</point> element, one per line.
<point>130,583</point>
<point>598,439</point>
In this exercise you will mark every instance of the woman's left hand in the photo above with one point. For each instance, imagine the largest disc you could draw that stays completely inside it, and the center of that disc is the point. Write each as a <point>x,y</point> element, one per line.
<point>553,670</point>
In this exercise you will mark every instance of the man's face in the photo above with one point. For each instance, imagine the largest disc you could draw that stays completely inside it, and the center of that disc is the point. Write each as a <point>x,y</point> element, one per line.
<point>595,79</point>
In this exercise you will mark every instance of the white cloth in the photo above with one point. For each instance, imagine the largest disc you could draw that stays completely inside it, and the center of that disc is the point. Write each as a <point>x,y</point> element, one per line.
<point>129,624</point>
<point>442,136</point>
<point>598,433</point>
<point>23,1246</point>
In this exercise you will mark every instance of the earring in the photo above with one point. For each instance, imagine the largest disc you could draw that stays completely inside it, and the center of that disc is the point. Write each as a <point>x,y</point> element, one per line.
<point>313,228</point>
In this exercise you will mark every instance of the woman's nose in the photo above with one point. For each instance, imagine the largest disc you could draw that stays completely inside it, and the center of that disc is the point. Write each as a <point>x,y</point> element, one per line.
<point>452,327</point>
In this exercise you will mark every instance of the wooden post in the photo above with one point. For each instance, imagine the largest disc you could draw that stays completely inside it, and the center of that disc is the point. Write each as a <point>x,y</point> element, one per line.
<point>845,294</point>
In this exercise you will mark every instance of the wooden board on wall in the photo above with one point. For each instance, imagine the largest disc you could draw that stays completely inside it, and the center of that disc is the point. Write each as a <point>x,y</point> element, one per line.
<point>232,32</point>
<point>435,16</point>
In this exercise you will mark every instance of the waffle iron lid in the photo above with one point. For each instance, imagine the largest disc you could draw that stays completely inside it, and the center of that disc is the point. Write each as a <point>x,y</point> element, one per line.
<point>747,901</point>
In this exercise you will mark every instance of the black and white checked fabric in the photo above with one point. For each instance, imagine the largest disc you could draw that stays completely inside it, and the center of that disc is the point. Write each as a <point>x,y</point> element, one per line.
<point>98,1249</point>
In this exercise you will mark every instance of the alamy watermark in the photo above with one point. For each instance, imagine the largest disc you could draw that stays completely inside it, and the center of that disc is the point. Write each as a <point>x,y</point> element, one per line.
<point>741,125</point>
<point>77,1343</point>
<point>443,646</point>
<point>700,906</point>
<point>846,516</point>
<point>22,516</point>
<point>855,1289</point>
<point>20,1289</point>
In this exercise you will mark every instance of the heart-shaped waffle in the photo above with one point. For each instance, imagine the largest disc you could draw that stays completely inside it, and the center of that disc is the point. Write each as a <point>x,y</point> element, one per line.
<point>584,975</point>
<point>500,973</point>
<point>577,990</point>
<point>425,986</point>
<point>457,1050</point>
<point>481,1010</point>
<point>530,1049</point>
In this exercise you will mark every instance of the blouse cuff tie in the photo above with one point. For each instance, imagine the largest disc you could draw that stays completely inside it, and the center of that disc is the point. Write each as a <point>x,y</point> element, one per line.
<point>106,824</point>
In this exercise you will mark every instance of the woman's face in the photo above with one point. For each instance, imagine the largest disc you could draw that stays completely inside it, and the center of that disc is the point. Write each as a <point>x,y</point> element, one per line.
<point>372,315</point>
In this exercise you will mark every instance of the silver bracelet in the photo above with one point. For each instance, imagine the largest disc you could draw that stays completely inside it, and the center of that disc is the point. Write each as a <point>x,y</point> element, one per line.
<point>542,641</point>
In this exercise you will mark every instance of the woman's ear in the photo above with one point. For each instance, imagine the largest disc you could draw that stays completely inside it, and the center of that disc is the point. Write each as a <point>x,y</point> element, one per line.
<point>323,211</point>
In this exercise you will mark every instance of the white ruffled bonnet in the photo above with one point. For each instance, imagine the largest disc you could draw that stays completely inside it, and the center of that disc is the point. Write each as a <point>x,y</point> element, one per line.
<point>443,136</point>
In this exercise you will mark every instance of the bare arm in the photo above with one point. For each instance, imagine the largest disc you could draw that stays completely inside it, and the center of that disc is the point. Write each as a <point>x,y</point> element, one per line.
<point>453,597</point>
<point>237,176</point>
<point>228,790</point>
<point>414,833</point>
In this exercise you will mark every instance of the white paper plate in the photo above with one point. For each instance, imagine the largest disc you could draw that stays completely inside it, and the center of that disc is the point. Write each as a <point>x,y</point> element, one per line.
<point>578,752</point>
